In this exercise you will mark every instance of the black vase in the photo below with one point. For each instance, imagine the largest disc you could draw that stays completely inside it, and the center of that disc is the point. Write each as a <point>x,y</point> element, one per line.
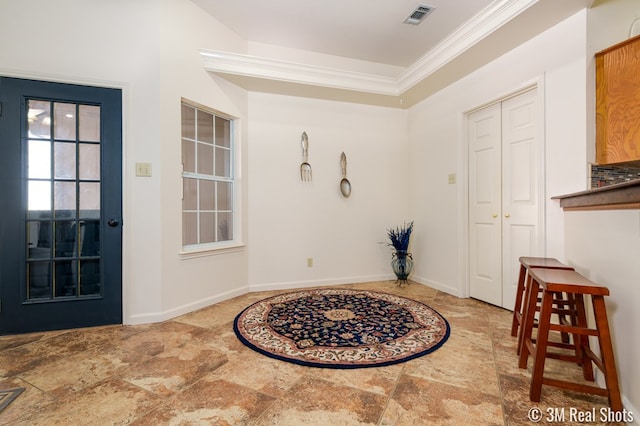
<point>402,264</point>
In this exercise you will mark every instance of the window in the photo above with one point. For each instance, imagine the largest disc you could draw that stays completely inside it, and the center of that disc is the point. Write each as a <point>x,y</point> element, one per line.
<point>207,177</point>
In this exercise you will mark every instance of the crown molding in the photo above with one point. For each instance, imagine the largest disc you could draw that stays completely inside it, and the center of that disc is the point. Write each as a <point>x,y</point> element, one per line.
<point>471,32</point>
<point>273,69</point>
<point>490,19</point>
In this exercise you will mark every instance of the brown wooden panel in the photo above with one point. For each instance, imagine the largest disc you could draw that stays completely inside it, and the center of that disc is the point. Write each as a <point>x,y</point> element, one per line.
<point>618,103</point>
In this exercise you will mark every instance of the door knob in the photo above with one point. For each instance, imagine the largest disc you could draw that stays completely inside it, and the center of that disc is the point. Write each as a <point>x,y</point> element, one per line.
<point>507,215</point>
<point>112,223</point>
<point>495,215</point>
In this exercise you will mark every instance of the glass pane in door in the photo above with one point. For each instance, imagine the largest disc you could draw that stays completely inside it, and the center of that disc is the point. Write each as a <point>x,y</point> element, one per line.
<point>89,123</point>
<point>64,158</point>
<point>63,192</point>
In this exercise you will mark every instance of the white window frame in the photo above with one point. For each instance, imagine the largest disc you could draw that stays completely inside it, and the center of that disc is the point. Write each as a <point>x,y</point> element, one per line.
<point>216,246</point>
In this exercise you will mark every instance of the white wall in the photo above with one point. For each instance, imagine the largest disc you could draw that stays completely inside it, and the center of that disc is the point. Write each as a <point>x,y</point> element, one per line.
<point>604,246</point>
<point>149,48</point>
<point>290,220</point>
<point>191,282</point>
<point>556,60</point>
<point>610,22</point>
<point>398,161</point>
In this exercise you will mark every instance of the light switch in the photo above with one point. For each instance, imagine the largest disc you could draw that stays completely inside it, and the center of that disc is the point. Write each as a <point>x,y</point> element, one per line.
<point>143,169</point>
<point>452,178</point>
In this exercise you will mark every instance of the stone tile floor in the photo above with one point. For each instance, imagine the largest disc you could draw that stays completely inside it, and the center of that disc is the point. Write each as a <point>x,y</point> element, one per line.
<point>193,370</point>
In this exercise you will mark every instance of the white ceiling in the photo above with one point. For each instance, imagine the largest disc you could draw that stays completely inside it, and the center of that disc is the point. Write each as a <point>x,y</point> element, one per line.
<point>456,38</point>
<point>370,30</point>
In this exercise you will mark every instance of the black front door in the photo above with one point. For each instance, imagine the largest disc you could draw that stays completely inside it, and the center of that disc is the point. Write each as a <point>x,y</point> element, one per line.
<point>60,206</point>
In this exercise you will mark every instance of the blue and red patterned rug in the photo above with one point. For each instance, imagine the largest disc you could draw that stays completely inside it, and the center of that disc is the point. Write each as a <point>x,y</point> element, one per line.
<point>340,328</point>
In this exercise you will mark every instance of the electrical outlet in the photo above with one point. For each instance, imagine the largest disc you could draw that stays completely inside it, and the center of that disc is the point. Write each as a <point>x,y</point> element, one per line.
<point>143,169</point>
<point>309,262</point>
<point>452,178</point>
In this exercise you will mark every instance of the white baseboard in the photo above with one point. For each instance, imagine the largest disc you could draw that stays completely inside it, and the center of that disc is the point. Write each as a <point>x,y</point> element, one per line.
<point>634,411</point>
<point>454,291</point>
<point>289,285</point>
<point>599,376</point>
<point>190,307</point>
<point>184,309</point>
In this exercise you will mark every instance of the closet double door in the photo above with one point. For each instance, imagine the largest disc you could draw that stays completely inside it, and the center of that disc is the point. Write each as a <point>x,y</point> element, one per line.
<point>504,197</point>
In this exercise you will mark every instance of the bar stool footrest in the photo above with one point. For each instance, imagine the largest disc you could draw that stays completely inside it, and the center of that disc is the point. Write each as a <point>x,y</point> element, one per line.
<point>597,361</point>
<point>573,329</point>
<point>579,387</point>
<point>564,357</point>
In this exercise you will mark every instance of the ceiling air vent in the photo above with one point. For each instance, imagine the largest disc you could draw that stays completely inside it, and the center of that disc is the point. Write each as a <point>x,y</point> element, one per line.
<point>419,13</point>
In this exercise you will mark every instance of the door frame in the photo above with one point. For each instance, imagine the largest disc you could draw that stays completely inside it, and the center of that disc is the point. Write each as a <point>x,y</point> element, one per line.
<point>126,196</point>
<point>536,84</point>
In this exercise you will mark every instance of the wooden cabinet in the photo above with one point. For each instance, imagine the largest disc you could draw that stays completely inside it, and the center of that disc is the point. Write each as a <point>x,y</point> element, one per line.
<point>618,103</point>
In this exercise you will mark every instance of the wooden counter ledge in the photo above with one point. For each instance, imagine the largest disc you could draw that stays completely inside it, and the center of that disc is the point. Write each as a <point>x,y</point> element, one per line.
<point>625,195</point>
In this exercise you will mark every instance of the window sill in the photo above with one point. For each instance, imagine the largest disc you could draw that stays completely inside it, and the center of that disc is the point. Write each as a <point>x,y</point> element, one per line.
<point>211,251</point>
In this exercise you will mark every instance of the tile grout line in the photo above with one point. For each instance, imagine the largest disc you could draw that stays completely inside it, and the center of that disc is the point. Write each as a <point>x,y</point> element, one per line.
<point>495,366</point>
<point>392,394</point>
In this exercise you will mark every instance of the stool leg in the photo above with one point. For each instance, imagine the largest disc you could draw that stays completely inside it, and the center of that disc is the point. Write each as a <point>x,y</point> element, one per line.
<point>526,327</point>
<point>561,304</point>
<point>541,346</point>
<point>573,316</point>
<point>582,341</point>
<point>517,309</point>
<point>606,352</point>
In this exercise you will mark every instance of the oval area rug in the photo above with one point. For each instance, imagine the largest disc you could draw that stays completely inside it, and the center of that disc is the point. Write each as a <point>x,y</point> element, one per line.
<point>341,328</point>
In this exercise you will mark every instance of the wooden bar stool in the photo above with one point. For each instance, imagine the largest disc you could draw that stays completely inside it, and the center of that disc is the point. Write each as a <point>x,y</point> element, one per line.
<point>576,286</point>
<point>527,263</point>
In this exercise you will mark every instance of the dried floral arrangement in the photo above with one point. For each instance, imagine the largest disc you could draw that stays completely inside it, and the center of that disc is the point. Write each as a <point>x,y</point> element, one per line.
<point>399,236</point>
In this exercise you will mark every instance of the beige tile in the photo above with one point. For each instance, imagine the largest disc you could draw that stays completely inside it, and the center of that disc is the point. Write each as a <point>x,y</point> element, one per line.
<point>28,403</point>
<point>210,402</point>
<point>380,380</point>
<point>171,334</point>
<point>63,375</point>
<point>468,318</point>
<point>419,401</point>
<point>319,402</point>
<point>416,291</point>
<point>53,346</point>
<point>86,340</point>
<point>111,402</point>
<point>553,404</point>
<point>27,357</point>
<point>175,369</point>
<point>507,362</point>
<point>259,372</point>
<point>460,362</point>
<point>193,370</point>
<point>12,341</point>
<point>212,316</point>
<point>223,339</point>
